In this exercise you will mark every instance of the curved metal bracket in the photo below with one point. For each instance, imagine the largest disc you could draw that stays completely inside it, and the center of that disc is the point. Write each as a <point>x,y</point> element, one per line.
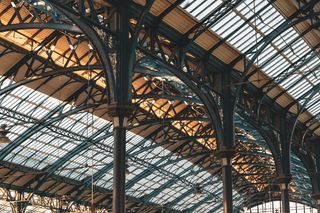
<point>97,42</point>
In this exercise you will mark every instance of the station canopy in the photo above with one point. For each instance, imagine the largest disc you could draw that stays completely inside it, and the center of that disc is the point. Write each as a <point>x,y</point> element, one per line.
<point>54,96</point>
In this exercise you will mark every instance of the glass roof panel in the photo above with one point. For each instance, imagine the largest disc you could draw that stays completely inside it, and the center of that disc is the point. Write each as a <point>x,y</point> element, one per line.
<point>91,161</point>
<point>172,176</point>
<point>205,8</point>
<point>258,18</point>
<point>285,38</point>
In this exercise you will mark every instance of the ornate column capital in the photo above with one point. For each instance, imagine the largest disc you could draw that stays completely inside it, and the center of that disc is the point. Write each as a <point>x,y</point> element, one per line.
<point>284,180</point>
<point>225,155</point>
<point>120,113</point>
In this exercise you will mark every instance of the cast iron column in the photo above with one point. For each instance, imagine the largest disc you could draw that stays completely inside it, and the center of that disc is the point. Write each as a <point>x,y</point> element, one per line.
<point>226,157</point>
<point>285,173</point>
<point>226,149</point>
<point>314,143</point>
<point>284,182</point>
<point>120,114</point>
<point>316,197</point>
<point>120,109</point>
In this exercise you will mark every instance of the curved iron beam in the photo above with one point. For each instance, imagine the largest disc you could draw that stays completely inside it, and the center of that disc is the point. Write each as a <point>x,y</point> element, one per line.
<point>168,120</point>
<point>270,140</point>
<point>310,166</point>
<point>310,95</point>
<point>52,73</point>
<point>97,42</point>
<point>208,102</point>
<point>54,26</point>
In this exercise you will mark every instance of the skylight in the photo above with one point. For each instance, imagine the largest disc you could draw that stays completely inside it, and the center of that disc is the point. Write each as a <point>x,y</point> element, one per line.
<point>248,23</point>
<point>172,175</point>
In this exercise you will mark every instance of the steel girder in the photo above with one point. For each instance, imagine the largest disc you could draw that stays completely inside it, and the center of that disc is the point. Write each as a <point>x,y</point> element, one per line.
<point>55,26</point>
<point>106,168</point>
<point>153,168</point>
<point>133,153</point>
<point>256,50</point>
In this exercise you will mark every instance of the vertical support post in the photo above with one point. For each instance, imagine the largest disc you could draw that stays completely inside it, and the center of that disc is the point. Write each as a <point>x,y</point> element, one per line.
<point>285,174</point>
<point>285,201</point>
<point>315,147</point>
<point>284,187</point>
<point>119,168</point>
<point>120,109</point>
<point>226,149</point>
<point>227,180</point>
<point>316,197</point>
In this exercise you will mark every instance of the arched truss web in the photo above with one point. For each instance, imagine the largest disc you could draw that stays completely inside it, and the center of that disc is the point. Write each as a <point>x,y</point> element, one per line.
<point>55,87</point>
